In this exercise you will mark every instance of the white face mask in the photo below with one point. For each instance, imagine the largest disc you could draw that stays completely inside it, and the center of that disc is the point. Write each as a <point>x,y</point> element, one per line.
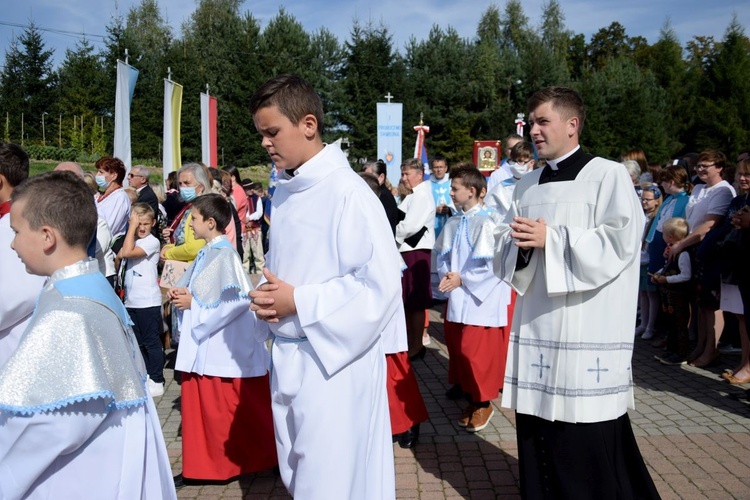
<point>518,169</point>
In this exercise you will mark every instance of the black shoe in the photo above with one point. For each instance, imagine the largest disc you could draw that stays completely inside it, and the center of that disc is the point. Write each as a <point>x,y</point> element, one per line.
<point>454,393</point>
<point>409,438</point>
<point>419,355</point>
<point>179,481</point>
<point>673,359</point>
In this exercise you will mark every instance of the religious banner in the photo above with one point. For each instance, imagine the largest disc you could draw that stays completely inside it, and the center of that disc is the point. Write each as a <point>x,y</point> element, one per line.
<point>390,128</point>
<point>126,78</point>
<point>487,155</point>
<point>420,148</point>
<point>520,123</point>
<point>172,154</point>
<point>209,137</point>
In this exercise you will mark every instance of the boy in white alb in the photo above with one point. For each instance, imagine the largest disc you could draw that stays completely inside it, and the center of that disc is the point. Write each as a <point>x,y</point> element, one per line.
<point>476,317</point>
<point>333,288</point>
<point>76,419</point>
<point>227,428</point>
<point>140,251</point>
<point>521,162</point>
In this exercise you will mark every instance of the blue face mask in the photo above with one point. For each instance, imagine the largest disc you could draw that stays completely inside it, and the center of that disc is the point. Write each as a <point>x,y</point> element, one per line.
<point>101,181</point>
<point>188,193</point>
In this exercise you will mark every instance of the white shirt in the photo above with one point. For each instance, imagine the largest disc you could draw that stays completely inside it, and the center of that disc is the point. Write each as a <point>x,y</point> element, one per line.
<point>419,208</point>
<point>141,276</point>
<point>115,210</point>
<point>18,293</point>
<point>705,201</point>
<point>498,176</point>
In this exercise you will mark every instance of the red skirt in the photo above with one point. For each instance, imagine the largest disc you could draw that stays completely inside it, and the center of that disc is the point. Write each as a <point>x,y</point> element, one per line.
<point>477,358</point>
<point>405,402</point>
<point>227,426</point>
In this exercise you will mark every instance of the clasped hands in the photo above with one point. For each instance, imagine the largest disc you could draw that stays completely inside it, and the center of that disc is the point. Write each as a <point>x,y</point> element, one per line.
<point>529,233</point>
<point>274,299</point>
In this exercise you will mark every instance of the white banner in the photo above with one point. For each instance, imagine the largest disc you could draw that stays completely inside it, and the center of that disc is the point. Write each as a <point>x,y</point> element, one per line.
<point>172,154</point>
<point>126,78</point>
<point>390,129</point>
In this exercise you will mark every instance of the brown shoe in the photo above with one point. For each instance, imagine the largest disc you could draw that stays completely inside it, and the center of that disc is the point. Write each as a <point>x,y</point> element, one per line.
<point>466,416</point>
<point>480,418</point>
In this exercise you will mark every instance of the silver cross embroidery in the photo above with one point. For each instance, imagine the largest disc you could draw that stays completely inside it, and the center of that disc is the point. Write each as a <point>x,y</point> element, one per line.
<point>541,365</point>
<point>598,370</point>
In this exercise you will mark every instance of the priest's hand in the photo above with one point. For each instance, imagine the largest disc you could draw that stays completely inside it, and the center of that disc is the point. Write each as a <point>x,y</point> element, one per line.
<point>450,282</point>
<point>529,233</point>
<point>181,298</point>
<point>274,299</point>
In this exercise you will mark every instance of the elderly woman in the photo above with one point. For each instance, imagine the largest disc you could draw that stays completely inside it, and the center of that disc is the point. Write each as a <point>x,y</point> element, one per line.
<point>194,181</point>
<point>706,209</point>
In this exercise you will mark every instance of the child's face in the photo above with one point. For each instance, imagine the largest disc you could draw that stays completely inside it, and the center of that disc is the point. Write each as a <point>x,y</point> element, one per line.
<point>28,243</point>
<point>462,195</point>
<point>202,228</point>
<point>145,223</point>
<point>670,239</point>
<point>285,141</point>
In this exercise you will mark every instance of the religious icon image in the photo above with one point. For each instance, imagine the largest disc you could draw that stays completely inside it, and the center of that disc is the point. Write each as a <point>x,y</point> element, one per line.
<point>486,154</point>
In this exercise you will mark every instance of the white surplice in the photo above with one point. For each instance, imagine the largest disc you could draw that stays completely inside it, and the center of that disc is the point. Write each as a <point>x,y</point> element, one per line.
<point>18,292</point>
<point>419,208</point>
<point>85,451</point>
<point>332,242</point>
<point>466,246</point>
<point>571,342</point>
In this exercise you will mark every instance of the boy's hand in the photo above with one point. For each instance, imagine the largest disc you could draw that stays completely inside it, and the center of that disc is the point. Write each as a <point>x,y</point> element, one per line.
<point>133,221</point>
<point>180,298</point>
<point>274,299</point>
<point>450,282</point>
<point>529,233</point>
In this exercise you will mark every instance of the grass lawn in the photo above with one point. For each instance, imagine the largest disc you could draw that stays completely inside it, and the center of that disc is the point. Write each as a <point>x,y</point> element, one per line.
<point>257,173</point>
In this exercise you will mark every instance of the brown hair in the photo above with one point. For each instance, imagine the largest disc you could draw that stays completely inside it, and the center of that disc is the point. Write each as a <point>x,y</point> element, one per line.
<point>522,149</point>
<point>294,97</point>
<point>470,177</point>
<point>61,200</point>
<point>14,163</point>
<point>413,164</point>
<point>638,155</point>
<point>716,157</point>
<point>112,166</point>
<point>564,100</point>
<point>214,206</point>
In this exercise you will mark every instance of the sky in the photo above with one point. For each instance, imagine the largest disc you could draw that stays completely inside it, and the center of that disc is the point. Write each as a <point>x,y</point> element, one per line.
<point>403,19</point>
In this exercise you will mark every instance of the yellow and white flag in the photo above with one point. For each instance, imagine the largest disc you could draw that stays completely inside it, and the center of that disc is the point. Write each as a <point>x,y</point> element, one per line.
<point>172,155</point>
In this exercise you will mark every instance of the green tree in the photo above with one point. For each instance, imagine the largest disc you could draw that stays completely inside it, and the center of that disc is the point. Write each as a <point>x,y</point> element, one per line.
<point>82,89</point>
<point>608,43</point>
<point>28,84</point>
<point>371,69</point>
<point>625,109</point>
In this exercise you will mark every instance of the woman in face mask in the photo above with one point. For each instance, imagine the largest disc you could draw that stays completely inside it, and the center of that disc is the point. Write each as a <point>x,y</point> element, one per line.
<point>112,203</point>
<point>194,181</point>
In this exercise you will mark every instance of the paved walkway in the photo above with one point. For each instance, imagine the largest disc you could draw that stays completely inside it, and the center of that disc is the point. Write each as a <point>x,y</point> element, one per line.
<point>693,430</point>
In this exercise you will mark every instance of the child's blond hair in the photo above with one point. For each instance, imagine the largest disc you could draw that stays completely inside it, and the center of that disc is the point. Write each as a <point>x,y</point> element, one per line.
<point>676,227</point>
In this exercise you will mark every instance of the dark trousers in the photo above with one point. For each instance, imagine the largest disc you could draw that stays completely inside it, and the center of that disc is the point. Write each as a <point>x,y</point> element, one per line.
<point>675,304</point>
<point>584,461</point>
<point>147,326</point>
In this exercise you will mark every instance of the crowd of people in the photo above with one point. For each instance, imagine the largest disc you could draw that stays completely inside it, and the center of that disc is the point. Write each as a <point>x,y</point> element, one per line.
<point>692,291</point>
<point>527,264</point>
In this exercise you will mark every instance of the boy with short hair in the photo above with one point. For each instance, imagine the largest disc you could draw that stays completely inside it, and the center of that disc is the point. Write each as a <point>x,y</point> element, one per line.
<point>227,428</point>
<point>675,290</point>
<point>140,251</point>
<point>333,287</point>
<point>521,162</point>
<point>73,395</point>
<point>476,315</point>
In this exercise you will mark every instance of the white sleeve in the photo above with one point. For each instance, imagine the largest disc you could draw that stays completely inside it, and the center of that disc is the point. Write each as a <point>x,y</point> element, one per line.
<point>206,321</point>
<point>420,213</point>
<point>29,445</point>
<point>579,259</point>
<point>344,316</point>
<point>258,211</point>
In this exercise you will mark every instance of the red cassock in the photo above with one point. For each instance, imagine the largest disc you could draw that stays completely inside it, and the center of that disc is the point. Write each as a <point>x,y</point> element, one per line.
<point>477,355</point>
<point>227,426</point>
<point>404,399</point>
